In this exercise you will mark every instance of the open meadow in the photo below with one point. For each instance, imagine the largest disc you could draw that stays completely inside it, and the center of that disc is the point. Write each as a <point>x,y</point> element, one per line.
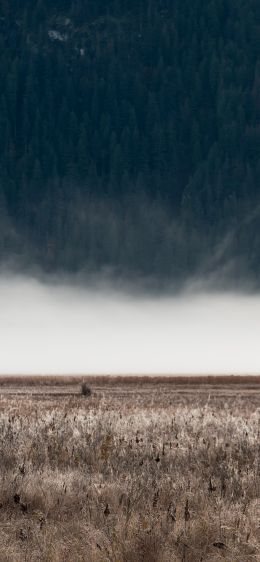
<point>138,471</point>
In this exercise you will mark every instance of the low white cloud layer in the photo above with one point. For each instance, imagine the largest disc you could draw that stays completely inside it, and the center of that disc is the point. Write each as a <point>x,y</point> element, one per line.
<point>54,329</point>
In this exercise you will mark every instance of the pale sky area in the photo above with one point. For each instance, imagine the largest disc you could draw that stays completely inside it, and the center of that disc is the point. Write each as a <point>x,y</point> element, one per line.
<point>47,329</point>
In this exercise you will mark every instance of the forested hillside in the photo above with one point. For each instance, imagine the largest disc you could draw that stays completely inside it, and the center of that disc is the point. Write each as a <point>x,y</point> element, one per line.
<point>130,135</point>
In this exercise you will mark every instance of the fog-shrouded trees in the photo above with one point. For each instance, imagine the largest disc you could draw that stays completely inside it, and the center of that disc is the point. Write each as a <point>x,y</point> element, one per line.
<point>142,118</point>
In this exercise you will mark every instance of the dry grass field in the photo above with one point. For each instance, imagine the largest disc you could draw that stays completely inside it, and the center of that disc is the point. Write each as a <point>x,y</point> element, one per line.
<point>137,472</point>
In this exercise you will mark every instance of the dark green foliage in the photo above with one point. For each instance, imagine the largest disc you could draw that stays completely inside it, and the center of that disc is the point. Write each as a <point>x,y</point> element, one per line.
<point>109,102</point>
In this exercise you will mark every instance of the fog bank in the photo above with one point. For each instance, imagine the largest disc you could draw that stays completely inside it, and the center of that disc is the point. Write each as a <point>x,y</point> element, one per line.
<point>55,329</point>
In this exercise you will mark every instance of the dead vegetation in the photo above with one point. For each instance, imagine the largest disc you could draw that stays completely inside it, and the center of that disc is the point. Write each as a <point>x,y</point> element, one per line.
<point>130,477</point>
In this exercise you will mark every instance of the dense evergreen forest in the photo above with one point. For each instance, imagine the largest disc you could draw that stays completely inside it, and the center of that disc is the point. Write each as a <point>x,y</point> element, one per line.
<point>130,136</point>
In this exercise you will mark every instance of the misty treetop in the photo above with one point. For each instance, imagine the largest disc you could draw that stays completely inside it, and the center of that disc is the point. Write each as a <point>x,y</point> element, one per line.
<point>130,133</point>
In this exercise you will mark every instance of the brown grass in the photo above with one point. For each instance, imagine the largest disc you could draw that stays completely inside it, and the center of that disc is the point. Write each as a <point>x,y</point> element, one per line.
<point>126,380</point>
<point>131,474</point>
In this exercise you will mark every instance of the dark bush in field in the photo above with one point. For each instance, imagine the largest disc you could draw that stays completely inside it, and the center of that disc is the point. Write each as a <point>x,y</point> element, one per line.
<point>85,389</point>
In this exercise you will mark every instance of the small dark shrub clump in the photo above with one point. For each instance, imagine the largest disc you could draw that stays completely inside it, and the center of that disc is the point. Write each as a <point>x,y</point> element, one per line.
<point>85,390</point>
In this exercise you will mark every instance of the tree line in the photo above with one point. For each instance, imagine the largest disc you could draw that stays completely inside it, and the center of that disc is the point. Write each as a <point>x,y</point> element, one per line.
<point>125,110</point>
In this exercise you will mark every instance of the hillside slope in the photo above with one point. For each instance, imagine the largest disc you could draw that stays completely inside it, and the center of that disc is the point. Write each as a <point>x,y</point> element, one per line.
<point>130,135</point>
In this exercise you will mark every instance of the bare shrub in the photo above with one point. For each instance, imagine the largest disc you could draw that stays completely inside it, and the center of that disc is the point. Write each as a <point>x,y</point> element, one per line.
<point>85,389</point>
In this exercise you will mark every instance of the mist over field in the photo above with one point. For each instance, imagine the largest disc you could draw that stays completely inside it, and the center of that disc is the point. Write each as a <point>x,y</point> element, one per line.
<point>58,329</point>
